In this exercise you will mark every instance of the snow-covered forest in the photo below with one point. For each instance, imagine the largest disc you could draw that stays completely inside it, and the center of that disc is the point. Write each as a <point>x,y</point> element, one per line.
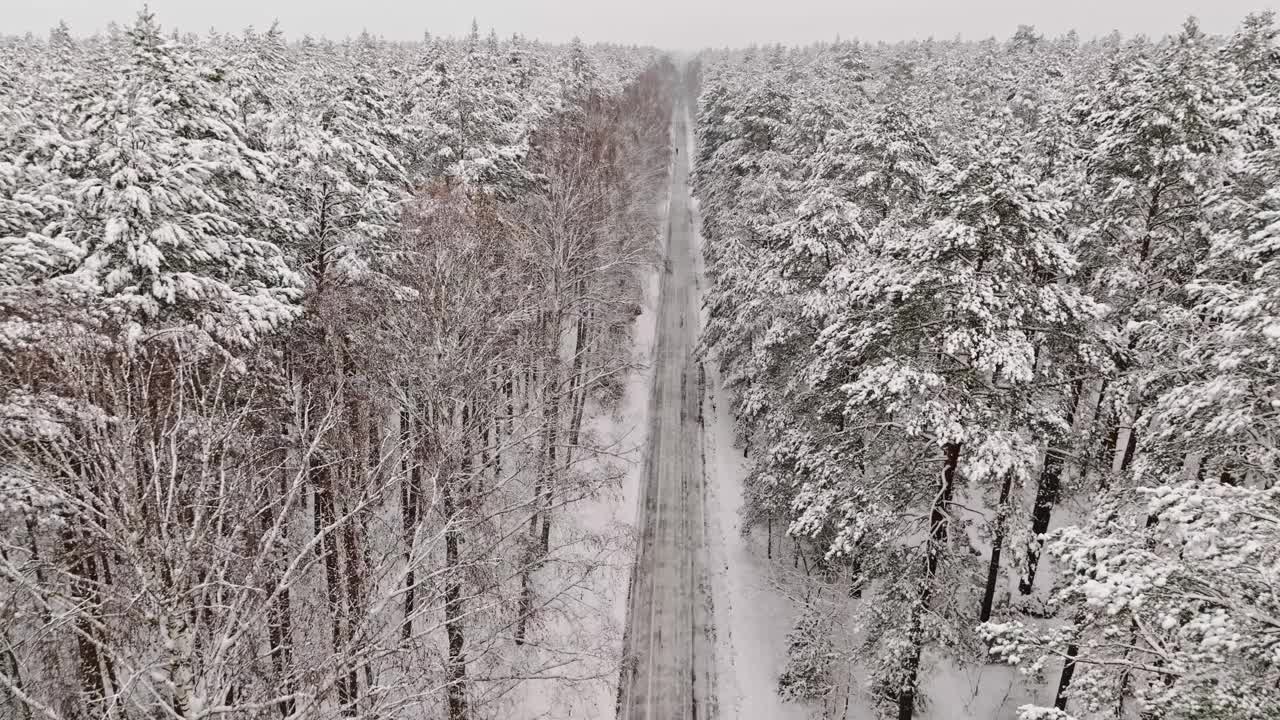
<point>1001,324</point>
<point>479,377</point>
<point>307,353</point>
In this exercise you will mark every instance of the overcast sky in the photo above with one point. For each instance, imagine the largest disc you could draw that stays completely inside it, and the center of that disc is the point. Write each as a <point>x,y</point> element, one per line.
<point>675,24</point>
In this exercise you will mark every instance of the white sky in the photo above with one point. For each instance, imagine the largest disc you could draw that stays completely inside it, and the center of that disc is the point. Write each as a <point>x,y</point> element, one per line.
<point>674,24</point>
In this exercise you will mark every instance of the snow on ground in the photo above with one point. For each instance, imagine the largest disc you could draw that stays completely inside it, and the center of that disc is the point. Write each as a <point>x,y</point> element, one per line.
<point>984,691</point>
<point>752,617</point>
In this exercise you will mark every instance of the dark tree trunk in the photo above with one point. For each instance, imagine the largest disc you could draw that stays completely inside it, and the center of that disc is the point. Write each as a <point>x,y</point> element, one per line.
<point>525,607</point>
<point>938,513</point>
<point>325,518</point>
<point>855,573</point>
<point>83,591</point>
<point>577,390</point>
<point>997,546</point>
<point>911,667</point>
<point>1064,682</point>
<point>1047,493</point>
<point>1041,514</point>
<point>1227,477</point>
<point>548,474</point>
<point>355,609</point>
<point>768,528</point>
<point>454,608</point>
<point>938,522</point>
<point>409,501</point>
<point>509,391</point>
<point>535,548</point>
<point>279,625</point>
<point>365,471</point>
<point>280,631</point>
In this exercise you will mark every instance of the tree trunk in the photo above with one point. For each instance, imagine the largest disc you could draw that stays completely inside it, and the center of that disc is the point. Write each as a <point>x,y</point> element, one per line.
<point>1124,440</point>
<point>911,667</point>
<point>85,576</point>
<point>769,533</point>
<point>181,675</point>
<point>997,545</point>
<point>1041,514</point>
<point>525,607</point>
<point>1122,456</point>
<point>355,609</point>
<point>1047,495</point>
<point>365,464</point>
<point>855,573</point>
<point>325,518</point>
<point>409,501</point>
<point>1126,443</point>
<point>938,518</point>
<point>279,627</point>
<point>938,522</point>
<point>577,388</point>
<point>279,632</point>
<point>1064,682</point>
<point>509,390</point>
<point>1193,466</point>
<point>548,473</point>
<point>454,608</point>
<point>1120,463</point>
<point>535,547</point>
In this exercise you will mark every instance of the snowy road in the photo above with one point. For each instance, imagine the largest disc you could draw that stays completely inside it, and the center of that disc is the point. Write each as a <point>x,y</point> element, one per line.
<point>670,672</point>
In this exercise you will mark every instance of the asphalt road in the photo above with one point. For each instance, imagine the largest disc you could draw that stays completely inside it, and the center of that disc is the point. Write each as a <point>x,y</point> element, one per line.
<point>669,673</point>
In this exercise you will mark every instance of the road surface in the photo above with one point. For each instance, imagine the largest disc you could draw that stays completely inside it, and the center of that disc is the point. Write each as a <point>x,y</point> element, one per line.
<point>669,674</point>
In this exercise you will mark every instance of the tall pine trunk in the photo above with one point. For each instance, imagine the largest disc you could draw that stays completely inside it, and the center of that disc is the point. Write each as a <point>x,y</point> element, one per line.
<point>540,518</point>
<point>1068,671</point>
<point>90,661</point>
<point>577,387</point>
<point>997,546</point>
<point>938,514</point>
<point>1041,513</point>
<point>279,625</point>
<point>911,667</point>
<point>454,606</point>
<point>325,519</point>
<point>1047,492</point>
<point>352,540</point>
<point>1122,454</point>
<point>410,493</point>
<point>548,473</point>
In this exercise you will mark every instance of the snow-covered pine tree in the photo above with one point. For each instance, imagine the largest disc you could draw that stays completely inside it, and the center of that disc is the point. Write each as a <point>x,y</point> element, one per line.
<point>163,213</point>
<point>937,348</point>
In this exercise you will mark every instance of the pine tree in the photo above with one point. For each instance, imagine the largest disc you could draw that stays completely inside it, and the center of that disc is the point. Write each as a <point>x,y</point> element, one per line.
<point>162,216</point>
